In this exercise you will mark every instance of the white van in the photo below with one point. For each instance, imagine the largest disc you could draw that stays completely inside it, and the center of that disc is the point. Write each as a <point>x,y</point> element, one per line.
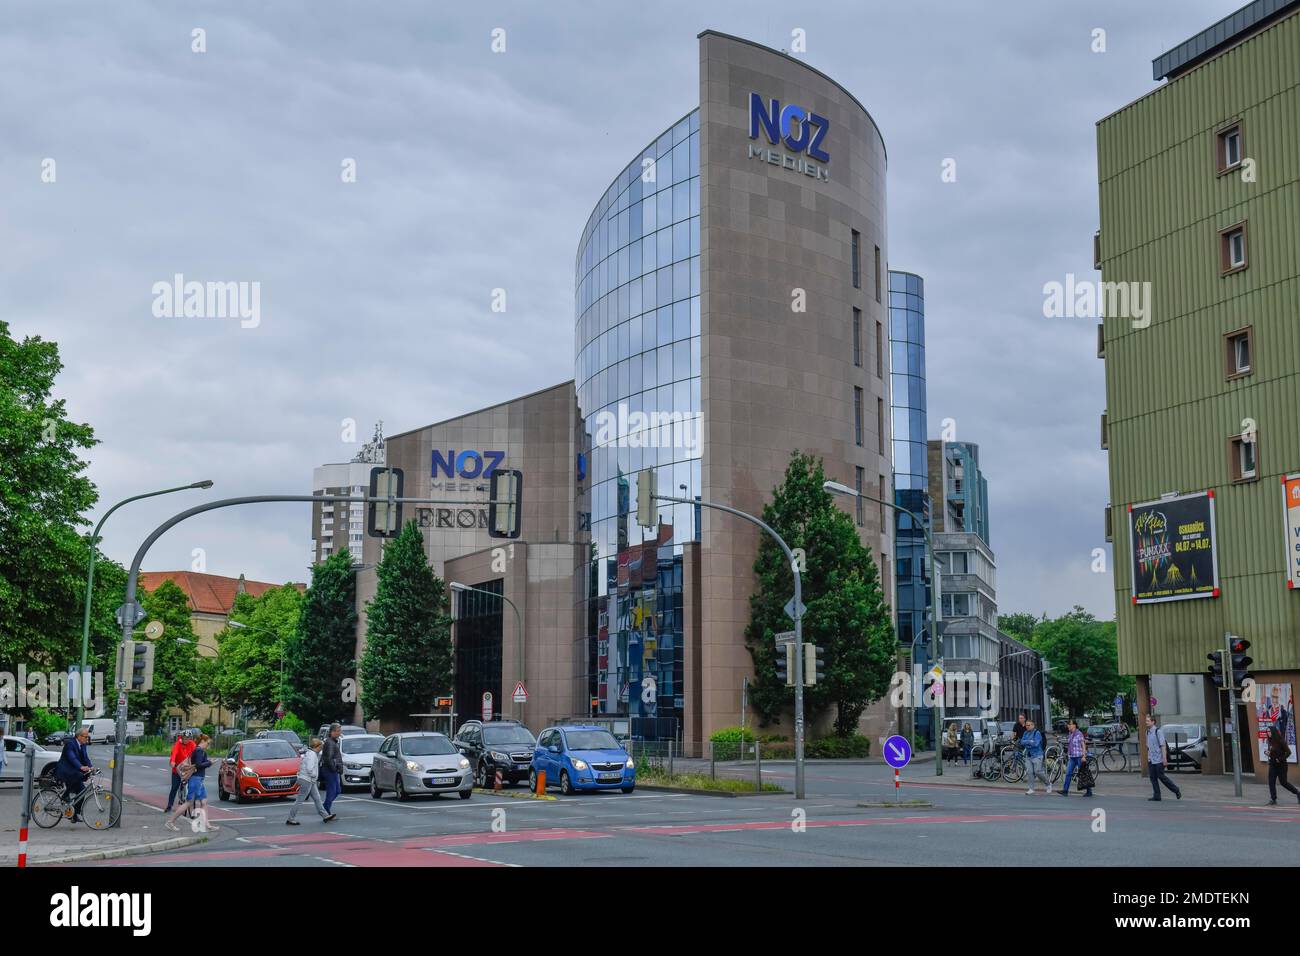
<point>102,730</point>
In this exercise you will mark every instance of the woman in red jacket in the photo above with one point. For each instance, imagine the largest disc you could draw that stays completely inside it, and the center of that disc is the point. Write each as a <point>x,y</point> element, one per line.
<point>183,747</point>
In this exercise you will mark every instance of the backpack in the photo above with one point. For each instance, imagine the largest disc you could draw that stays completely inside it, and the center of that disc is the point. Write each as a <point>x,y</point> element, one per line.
<point>185,770</point>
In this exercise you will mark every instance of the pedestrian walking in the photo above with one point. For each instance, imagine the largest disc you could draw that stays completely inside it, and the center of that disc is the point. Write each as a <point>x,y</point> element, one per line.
<point>181,749</point>
<point>196,792</point>
<point>1018,730</point>
<point>951,743</point>
<point>967,743</point>
<point>1032,742</point>
<point>1157,758</point>
<point>1077,750</point>
<point>308,771</point>
<point>1278,752</point>
<point>331,766</point>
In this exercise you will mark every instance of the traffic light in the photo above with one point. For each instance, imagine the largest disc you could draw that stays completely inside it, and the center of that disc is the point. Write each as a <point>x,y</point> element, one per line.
<point>1240,662</point>
<point>135,665</point>
<point>507,489</point>
<point>785,664</point>
<point>647,508</point>
<point>595,706</point>
<point>384,519</point>
<point>1215,671</point>
<point>814,662</point>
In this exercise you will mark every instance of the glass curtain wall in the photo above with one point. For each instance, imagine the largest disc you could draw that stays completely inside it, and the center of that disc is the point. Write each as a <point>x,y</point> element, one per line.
<point>637,370</point>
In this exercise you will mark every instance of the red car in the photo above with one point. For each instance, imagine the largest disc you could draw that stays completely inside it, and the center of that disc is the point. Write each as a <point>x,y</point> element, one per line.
<point>258,768</point>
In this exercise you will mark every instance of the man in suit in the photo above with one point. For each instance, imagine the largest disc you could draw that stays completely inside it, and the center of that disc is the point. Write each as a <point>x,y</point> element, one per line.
<point>73,766</point>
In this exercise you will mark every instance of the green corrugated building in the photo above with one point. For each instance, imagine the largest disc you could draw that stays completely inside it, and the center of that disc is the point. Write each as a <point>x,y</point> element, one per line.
<point>1200,198</point>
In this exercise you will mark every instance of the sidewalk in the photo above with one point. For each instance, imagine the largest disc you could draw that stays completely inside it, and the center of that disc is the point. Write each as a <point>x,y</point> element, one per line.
<point>140,831</point>
<point>1213,788</point>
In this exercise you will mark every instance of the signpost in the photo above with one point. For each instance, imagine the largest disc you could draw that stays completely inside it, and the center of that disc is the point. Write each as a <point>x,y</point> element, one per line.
<point>487,705</point>
<point>784,638</point>
<point>898,754</point>
<point>521,693</point>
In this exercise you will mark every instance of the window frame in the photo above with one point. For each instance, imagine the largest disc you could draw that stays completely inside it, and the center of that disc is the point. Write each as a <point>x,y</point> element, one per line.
<point>1226,265</point>
<point>1235,465</point>
<point>1231,370</point>
<point>855,257</point>
<point>1221,136</point>
<point>857,337</point>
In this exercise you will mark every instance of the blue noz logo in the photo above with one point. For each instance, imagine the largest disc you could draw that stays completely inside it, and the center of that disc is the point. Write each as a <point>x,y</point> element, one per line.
<point>467,464</point>
<point>779,125</point>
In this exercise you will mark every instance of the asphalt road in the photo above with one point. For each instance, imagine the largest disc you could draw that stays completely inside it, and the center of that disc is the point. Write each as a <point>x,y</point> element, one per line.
<point>966,827</point>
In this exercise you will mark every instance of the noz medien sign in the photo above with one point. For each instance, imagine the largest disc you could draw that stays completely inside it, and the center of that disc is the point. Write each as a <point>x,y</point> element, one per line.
<point>795,128</point>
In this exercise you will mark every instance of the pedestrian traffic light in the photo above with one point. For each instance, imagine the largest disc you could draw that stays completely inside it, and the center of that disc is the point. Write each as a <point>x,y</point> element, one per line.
<point>785,664</point>
<point>507,489</point>
<point>141,673</point>
<point>595,706</point>
<point>384,517</point>
<point>1215,671</point>
<point>647,508</point>
<point>1240,662</point>
<point>814,663</point>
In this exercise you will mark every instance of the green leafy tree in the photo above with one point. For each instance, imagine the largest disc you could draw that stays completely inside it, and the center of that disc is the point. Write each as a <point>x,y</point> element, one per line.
<point>1019,625</point>
<point>321,653</point>
<point>176,659</point>
<point>846,611</point>
<point>408,632</point>
<point>42,722</point>
<point>249,659</point>
<point>43,497</point>
<point>1084,658</point>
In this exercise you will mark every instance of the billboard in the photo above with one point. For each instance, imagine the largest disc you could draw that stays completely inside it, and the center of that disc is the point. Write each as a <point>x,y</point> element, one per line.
<point>1172,545</point>
<point>1291,516</point>
<point>1275,707</point>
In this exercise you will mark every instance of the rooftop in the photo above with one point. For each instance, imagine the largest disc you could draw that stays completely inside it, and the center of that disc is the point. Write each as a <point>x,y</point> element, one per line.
<point>1228,32</point>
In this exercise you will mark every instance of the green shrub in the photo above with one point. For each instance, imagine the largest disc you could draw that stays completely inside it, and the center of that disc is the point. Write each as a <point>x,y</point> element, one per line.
<point>291,721</point>
<point>42,723</point>
<point>855,746</point>
<point>731,735</point>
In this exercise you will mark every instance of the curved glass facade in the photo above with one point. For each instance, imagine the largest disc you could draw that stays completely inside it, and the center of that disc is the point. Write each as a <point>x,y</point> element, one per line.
<point>911,470</point>
<point>637,373</point>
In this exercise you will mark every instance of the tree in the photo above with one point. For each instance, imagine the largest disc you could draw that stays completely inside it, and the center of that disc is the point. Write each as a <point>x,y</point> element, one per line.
<point>175,661</point>
<point>321,653</point>
<point>408,632</point>
<point>1019,625</point>
<point>43,497</point>
<point>250,659</point>
<point>1084,659</point>
<point>846,612</point>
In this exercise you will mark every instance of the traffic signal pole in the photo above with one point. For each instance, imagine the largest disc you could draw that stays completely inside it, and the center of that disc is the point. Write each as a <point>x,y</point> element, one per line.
<point>1229,679</point>
<point>129,619</point>
<point>798,627</point>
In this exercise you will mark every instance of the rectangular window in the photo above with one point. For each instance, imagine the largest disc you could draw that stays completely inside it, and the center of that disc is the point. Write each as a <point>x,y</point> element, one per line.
<point>1109,524</point>
<point>1096,249</point>
<point>877,273</point>
<point>857,337</point>
<point>881,496</point>
<point>1228,148</point>
<point>1101,340</point>
<point>1232,249</point>
<point>859,479</point>
<point>856,259</point>
<point>1105,435</point>
<point>1243,457</point>
<point>880,425</point>
<point>880,351</point>
<point>1238,353</point>
<point>857,416</point>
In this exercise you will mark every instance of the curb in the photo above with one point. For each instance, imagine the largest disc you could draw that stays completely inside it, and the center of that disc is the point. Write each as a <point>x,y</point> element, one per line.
<point>515,794</point>
<point>139,849</point>
<point>918,805</point>
<point>713,793</point>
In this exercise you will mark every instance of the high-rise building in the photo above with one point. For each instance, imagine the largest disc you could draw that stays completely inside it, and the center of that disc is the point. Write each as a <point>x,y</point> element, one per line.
<point>1199,186</point>
<point>959,494</point>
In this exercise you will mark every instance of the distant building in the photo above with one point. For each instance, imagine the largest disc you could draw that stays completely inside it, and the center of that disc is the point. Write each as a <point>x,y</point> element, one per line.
<point>336,525</point>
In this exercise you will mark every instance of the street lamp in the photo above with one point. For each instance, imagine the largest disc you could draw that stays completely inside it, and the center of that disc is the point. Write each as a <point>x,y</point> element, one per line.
<point>90,584</point>
<point>519,629</point>
<point>837,488</point>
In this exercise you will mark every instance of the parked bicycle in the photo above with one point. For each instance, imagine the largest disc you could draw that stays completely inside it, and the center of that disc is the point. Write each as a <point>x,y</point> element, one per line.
<point>97,807</point>
<point>1110,757</point>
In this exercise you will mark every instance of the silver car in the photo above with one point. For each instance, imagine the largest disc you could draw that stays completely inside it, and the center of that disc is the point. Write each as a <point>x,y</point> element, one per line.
<point>358,754</point>
<point>415,763</point>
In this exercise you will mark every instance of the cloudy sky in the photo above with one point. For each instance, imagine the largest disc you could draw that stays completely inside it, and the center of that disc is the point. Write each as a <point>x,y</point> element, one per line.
<point>476,170</point>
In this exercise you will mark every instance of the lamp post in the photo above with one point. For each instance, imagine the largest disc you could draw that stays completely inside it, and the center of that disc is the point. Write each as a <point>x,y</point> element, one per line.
<point>837,488</point>
<point>90,584</point>
<point>519,629</point>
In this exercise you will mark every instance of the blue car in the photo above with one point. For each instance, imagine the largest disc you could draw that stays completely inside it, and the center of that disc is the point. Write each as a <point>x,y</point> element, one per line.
<point>582,758</point>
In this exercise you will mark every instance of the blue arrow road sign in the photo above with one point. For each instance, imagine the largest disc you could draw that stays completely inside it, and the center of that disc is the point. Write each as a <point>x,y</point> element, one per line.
<point>898,752</point>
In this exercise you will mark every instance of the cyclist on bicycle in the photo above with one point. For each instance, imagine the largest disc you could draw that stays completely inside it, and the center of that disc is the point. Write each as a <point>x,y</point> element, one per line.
<point>74,766</point>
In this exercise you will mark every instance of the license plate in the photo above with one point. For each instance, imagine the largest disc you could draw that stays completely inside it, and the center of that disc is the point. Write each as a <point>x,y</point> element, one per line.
<point>611,776</point>
<point>278,782</point>
<point>444,779</point>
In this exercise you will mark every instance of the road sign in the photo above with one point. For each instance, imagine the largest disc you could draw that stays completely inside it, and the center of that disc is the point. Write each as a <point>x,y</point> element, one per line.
<point>785,637</point>
<point>1119,702</point>
<point>487,705</point>
<point>789,609</point>
<point>134,611</point>
<point>1152,702</point>
<point>898,752</point>
<point>521,693</point>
